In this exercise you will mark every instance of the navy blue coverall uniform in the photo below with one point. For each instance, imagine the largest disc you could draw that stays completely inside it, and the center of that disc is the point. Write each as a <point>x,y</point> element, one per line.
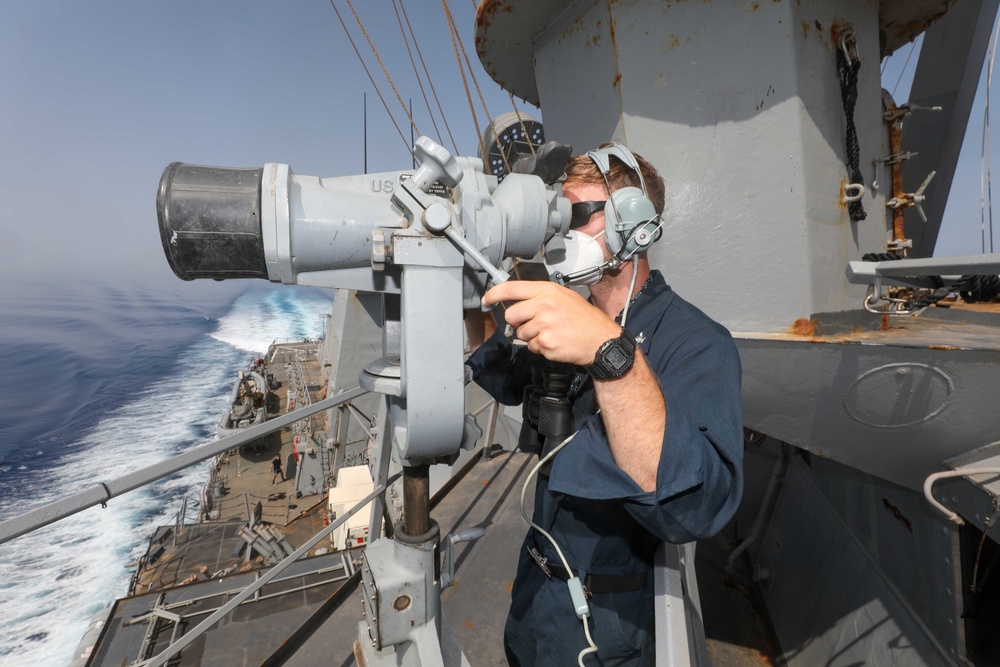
<point>602,520</point>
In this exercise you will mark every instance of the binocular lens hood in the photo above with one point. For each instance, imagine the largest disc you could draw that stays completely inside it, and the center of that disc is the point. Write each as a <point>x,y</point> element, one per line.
<point>210,221</point>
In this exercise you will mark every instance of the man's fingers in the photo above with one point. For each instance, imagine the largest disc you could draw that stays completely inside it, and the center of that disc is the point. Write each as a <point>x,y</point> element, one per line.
<point>514,290</point>
<point>518,313</point>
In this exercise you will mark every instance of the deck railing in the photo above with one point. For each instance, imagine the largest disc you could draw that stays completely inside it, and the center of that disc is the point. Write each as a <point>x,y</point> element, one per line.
<point>103,492</point>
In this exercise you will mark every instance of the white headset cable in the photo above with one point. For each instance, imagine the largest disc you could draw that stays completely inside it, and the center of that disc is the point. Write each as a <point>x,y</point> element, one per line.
<point>576,593</point>
<point>631,290</point>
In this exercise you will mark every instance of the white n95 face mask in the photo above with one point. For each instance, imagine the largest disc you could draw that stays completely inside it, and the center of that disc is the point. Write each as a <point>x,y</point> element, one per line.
<point>575,253</point>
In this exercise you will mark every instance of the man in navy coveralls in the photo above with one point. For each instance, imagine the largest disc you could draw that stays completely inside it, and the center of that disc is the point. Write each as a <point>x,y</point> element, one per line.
<point>661,460</point>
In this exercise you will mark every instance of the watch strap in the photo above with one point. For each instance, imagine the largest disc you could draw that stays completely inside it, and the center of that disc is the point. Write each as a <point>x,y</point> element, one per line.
<point>614,357</point>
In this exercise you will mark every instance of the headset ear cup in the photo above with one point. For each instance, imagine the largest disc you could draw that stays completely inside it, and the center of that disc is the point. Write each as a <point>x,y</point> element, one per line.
<point>612,238</point>
<point>636,210</point>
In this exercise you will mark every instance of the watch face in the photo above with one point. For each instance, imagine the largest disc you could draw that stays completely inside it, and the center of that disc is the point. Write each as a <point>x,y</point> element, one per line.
<point>614,358</point>
<point>617,359</point>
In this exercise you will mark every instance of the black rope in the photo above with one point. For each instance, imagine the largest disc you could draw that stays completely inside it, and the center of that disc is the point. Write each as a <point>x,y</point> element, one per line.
<point>928,299</point>
<point>880,256</point>
<point>978,288</point>
<point>847,72</point>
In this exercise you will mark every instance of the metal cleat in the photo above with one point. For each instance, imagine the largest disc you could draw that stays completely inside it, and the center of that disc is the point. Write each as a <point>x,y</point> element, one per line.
<point>914,199</point>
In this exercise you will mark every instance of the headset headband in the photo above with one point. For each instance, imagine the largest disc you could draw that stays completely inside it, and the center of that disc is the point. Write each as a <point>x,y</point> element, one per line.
<point>602,158</point>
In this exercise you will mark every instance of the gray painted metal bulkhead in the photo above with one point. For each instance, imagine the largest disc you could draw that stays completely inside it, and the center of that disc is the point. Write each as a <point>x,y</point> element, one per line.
<point>739,107</point>
<point>872,563</point>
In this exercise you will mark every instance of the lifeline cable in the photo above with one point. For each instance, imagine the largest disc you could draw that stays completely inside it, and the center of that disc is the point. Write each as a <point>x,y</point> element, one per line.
<point>430,81</point>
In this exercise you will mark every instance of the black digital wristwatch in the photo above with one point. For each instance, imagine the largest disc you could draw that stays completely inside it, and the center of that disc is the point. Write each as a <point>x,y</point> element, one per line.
<point>614,357</point>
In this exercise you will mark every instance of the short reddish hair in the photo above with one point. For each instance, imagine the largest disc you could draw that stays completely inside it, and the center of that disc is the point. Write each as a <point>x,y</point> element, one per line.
<point>583,170</point>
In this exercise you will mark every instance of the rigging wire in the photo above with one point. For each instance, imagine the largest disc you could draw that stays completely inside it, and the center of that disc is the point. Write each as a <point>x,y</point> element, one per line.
<point>982,193</point>
<point>382,65</point>
<point>416,75</point>
<point>482,100</point>
<point>465,56</point>
<point>427,73</point>
<point>475,82</point>
<point>985,155</point>
<point>409,148</point>
<point>465,84</point>
<point>913,47</point>
<point>520,121</point>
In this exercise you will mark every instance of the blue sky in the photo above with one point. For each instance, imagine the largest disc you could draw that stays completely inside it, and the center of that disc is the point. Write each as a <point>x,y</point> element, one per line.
<point>98,97</point>
<point>962,227</point>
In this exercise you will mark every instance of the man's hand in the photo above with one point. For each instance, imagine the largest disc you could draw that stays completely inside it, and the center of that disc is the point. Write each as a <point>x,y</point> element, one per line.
<point>554,321</point>
<point>561,325</point>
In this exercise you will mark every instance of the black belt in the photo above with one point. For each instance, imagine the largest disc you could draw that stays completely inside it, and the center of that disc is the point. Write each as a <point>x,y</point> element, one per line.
<point>592,583</point>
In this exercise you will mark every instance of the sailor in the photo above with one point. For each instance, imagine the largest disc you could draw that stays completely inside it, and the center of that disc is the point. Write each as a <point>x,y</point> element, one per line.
<point>655,401</point>
<point>276,470</point>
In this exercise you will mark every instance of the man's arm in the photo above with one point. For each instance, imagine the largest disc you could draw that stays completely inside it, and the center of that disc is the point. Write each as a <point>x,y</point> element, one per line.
<point>479,326</point>
<point>635,417</point>
<point>562,326</point>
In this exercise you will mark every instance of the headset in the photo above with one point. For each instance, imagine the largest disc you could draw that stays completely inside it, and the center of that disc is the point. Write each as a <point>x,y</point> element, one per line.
<point>631,223</point>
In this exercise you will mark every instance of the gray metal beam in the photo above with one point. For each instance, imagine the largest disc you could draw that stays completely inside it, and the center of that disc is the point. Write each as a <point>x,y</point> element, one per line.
<point>964,265</point>
<point>105,491</point>
<point>947,75</point>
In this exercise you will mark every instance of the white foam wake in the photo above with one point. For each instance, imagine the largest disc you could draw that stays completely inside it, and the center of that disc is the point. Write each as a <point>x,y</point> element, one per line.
<point>54,580</point>
<point>263,315</point>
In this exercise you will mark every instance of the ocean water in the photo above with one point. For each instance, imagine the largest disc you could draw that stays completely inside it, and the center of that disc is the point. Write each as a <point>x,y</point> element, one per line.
<point>101,380</point>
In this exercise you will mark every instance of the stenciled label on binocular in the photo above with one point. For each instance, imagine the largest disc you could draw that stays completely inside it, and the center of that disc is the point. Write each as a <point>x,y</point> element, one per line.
<point>437,189</point>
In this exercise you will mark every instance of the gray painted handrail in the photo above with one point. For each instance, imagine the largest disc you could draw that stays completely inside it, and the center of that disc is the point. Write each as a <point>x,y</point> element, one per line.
<point>105,491</point>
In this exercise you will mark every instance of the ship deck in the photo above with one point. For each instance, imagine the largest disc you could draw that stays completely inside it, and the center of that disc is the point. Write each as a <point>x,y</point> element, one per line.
<point>310,614</point>
<point>240,479</point>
